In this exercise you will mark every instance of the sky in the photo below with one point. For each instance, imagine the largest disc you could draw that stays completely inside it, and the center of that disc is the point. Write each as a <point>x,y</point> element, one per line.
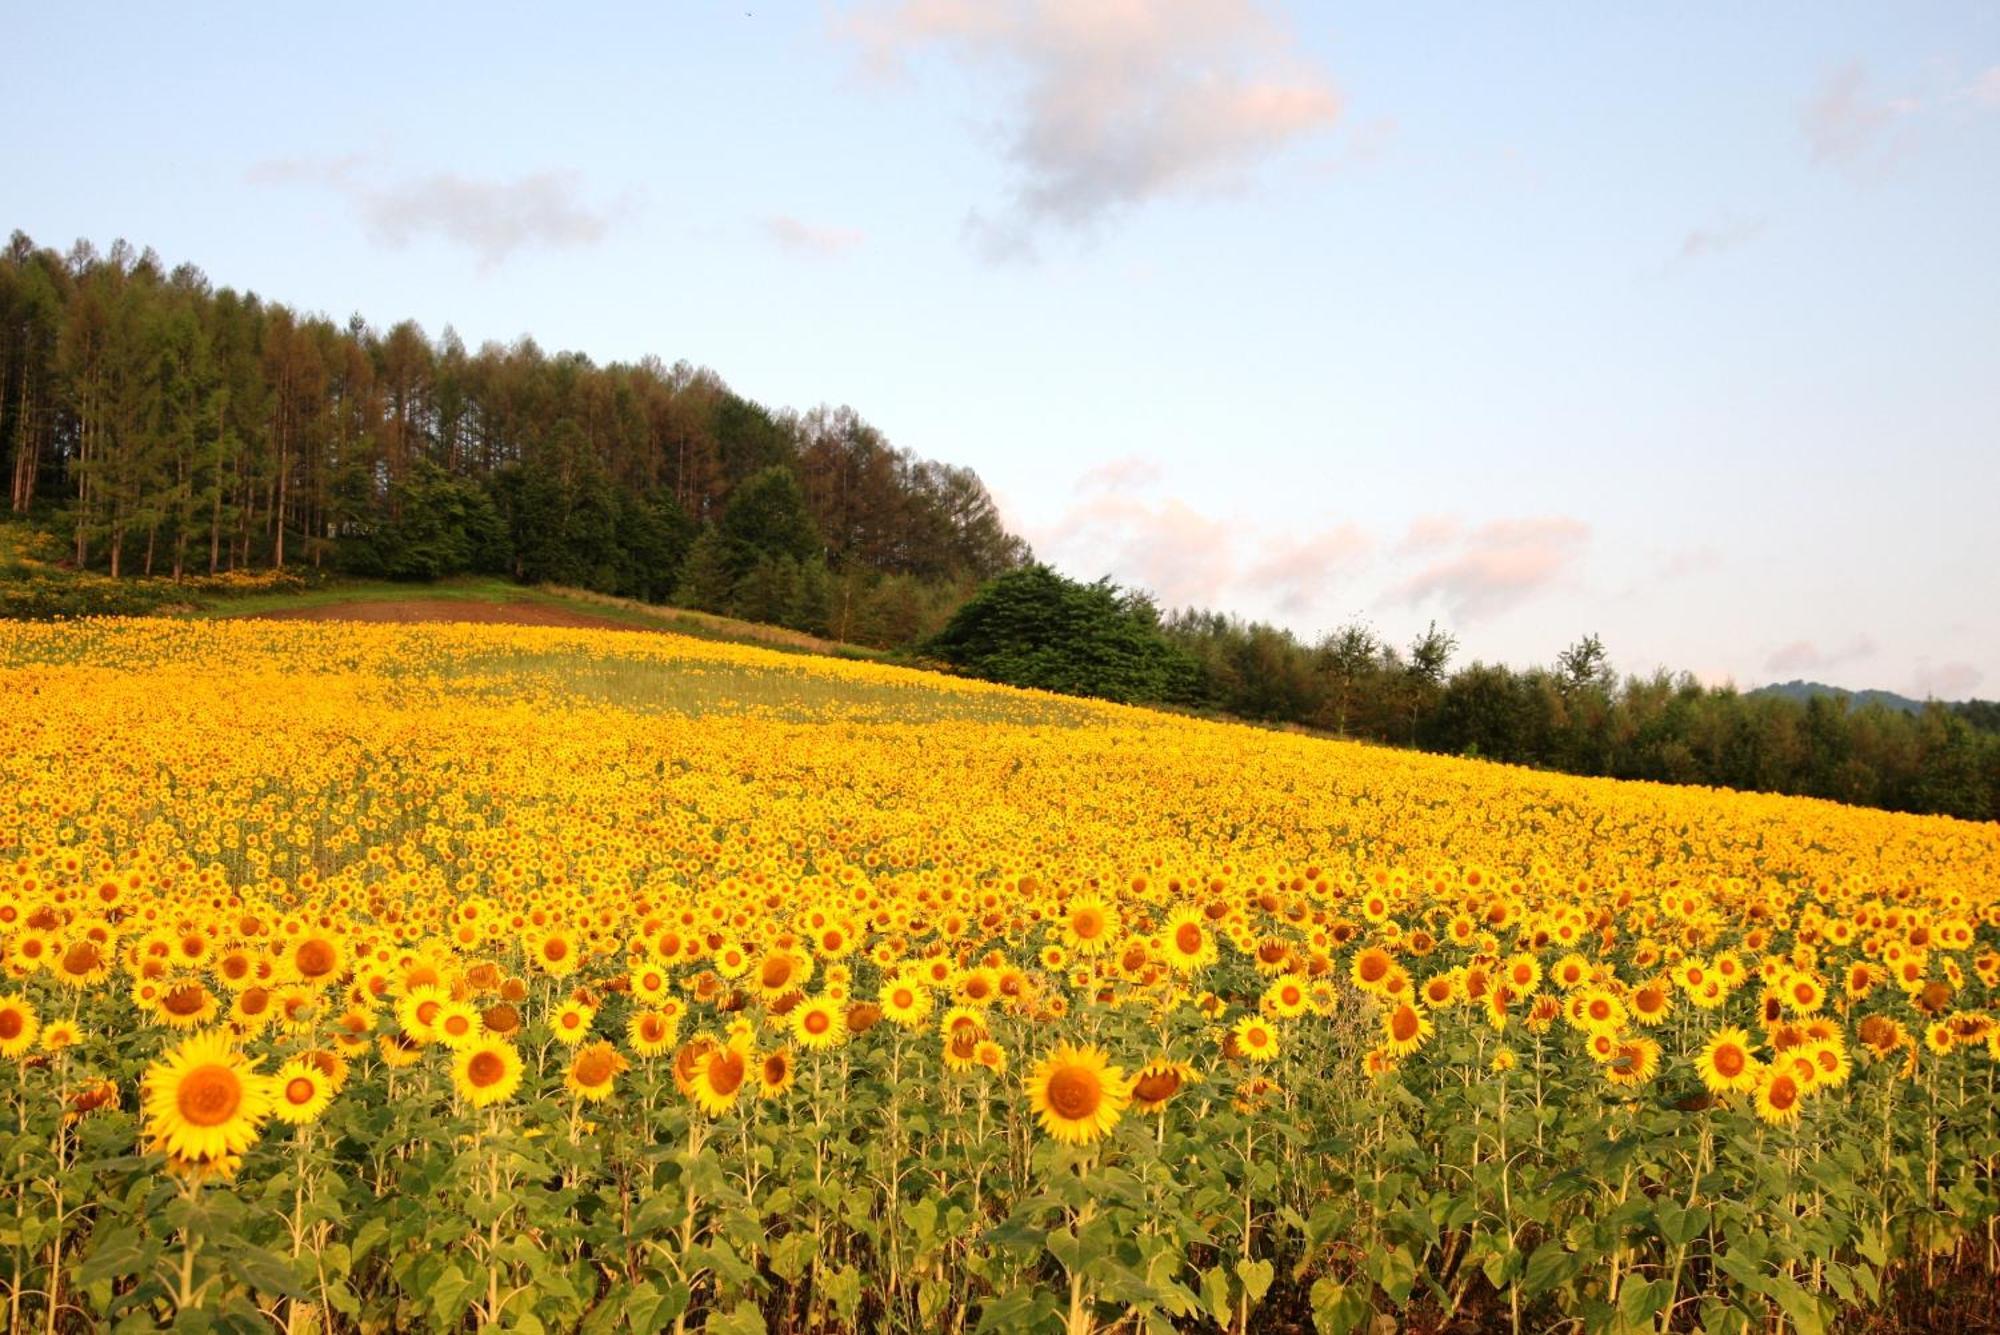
<point>1678,327</point>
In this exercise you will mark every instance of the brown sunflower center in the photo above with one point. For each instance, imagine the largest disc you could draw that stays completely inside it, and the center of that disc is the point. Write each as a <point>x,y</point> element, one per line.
<point>1157,1086</point>
<point>1187,938</point>
<point>1729,1060</point>
<point>1074,1092</point>
<point>314,958</point>
<point>725,1072</point>
<point>209,1095</point>
<point>485,1068</point>
<point>299,1090</point>
<point>1403,1025</point>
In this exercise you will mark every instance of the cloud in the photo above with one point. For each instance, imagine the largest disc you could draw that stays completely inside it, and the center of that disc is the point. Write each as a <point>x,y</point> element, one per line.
<point>490,218</point>
<point>1847,126</point>
<point>1481,571</point>
<point>1702,242</point>
<point>804,238</point>
<point>1946,681</point>
<point>1984,91</point>
<point>1686,561</point>
<point>1188,558</point>
<point>1802,656</point>
<point>1113,103</point>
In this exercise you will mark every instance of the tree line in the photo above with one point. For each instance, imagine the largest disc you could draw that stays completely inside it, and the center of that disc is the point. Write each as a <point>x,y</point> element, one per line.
<point>165,427</point>
<point>1577,714</point>
<point>170,427</point>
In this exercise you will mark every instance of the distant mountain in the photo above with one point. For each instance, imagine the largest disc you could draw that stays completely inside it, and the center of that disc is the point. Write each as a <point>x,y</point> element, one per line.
<point>1803,691</point>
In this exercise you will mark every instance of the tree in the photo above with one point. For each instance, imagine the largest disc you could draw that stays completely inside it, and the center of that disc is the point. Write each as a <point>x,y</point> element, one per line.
<point>767,517</point>
<point>1032,627</point>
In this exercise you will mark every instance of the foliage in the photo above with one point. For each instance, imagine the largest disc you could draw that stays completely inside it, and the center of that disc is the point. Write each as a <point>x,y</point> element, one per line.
<point>1114,1004</point>
<point>1032,627</point>
<point>165,424</point>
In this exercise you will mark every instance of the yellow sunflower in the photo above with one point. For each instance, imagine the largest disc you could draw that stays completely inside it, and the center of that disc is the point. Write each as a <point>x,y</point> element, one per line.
<point>1255,1037</point>
<point>1077,1094</point>
<point>205,1100</point>
<point>593,1071</point>
<point>486,1072</point>
<point>1726,1065</point>
<point>819,1024</point>
<point>302,1092</point>
<point>18,1026</point>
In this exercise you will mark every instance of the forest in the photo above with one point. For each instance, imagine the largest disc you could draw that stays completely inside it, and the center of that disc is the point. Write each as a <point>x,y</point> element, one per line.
<point>168,427</point>
<point>164,428</point>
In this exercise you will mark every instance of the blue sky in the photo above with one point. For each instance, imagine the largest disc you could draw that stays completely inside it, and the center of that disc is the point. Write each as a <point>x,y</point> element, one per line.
<point>1680,327</point>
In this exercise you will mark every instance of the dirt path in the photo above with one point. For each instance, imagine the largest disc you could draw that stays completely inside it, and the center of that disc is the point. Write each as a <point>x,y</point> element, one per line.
<point>407,611</point>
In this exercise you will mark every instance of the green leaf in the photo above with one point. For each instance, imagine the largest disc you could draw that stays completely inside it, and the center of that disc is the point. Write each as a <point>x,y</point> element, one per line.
<point>450,1294</point>
<point>1679,1226</point>
<point>1394,1270</point>
<point>1337,1308</point>
<point>1551,1267</point>
<point>1256,1276</point>
<point>1215,1292</point>
<point>742,1319</point>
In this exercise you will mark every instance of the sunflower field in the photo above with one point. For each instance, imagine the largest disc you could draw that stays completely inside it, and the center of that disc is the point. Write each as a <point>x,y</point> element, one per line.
<point>487,978</point>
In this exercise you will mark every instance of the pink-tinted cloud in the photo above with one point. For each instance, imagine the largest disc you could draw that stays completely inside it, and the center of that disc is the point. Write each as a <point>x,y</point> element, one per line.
<point>1946,681</point>
<point>1486,570</point>
<point>1802,656</point>
<point>1849,126</point>
<point>1298,571</point>
<point>1188,558</point>
<point>1114,103</point>
<point>805,238</point>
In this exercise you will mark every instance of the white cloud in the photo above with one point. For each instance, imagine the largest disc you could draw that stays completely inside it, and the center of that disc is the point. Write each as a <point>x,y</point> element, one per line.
<point>1114,103</point>
<point>1704,242</point>
<point>490,218</point>
<point>805,238</point>
<point>1946,681</point>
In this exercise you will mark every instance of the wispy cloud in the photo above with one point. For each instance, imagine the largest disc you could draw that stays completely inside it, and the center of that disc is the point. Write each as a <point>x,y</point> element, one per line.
<point>1704,242</point>
<point>1113,103</point>
<point>1984,90</point>
<point>805,238</point>
<point>1805,656</point>
<point>1475,572</point>
<point>1849,126</point>
<point>1188,558</point>
<point>492,219</point>
<point>1946,681</point>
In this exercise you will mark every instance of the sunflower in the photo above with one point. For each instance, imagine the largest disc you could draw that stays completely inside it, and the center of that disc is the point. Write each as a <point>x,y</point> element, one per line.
<point>571,1022</point>
<point>186,1005</point>
<point>1372,969</point>
<point>1726,1064</point>
<point>1635,1063</point>
<point>458,1023</point>
<point>417,1011</point>
<point>1405,1029</point>
<point>204,1101</point>
<point>780,972</point>
<point>1077,1094</point>
<point>1286,997</point>
<point>1779,1097</point>
<point>1255,1037</point>
<point>83,963</point>
<point>1158,1081</point>
<point>315,957</point>
<point>60,1034</point>
<point>776,1073</point>
<point>719,1077</point>
<point>486,1072</point>
<point>18,1026</point>
<point>593,1071</point>
<point>905,1002</point>
<point>1089,925</point>
<point>651,1033</point>
<point>819,1024</point>
<point>990,1055</point>
<point>555,954</point>
<point>250,1009</point>
<point>1598,1011</point>
<point>302,1091</point>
